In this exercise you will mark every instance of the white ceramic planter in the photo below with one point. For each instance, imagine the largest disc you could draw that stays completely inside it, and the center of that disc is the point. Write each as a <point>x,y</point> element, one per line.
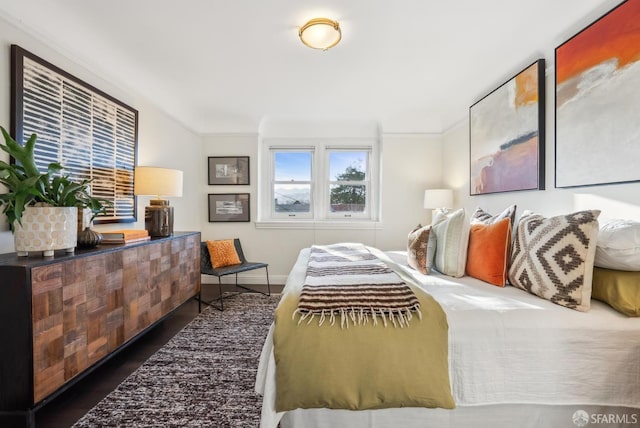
<point>47,229</point>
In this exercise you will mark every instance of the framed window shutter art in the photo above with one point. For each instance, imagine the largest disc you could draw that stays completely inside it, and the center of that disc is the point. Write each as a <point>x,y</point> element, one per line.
<point>93,135</point>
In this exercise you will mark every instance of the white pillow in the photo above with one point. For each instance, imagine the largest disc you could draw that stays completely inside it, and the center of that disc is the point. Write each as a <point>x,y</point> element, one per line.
<point>619,245</point>
<point>452,237</point>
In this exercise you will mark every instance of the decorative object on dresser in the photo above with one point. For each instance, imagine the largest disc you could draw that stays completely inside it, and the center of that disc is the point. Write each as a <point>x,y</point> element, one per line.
<point>158,216</point>
<point>41,207</point>
<point>229,170</point>
<point>89,238</point>
<point>126,236</point>
<point>507,135</point>
<point>70,314</point>
<point>229,207</point>
<point>94,134</point>
<point>597,101</point>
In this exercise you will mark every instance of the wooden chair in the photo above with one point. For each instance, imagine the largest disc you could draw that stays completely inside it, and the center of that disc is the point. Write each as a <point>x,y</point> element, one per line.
<point>206,268</point>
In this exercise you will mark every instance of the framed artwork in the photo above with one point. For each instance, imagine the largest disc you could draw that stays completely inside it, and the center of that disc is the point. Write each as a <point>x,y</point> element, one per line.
<point>597,103</point>
<point>90,133</point>
<point>506,135</point>
<point>229,170</point>
<point>229,207</point>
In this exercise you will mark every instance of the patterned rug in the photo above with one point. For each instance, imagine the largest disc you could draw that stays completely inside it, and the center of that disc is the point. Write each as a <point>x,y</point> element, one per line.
<point>203,377</point>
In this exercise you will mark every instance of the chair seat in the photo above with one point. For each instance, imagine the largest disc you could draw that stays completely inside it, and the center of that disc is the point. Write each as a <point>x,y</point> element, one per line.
<point>227,270</point>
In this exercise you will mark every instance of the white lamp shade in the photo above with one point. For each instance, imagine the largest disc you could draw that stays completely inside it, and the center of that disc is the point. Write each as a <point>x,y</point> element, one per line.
<point>155,181</point>
<point>438,198</point>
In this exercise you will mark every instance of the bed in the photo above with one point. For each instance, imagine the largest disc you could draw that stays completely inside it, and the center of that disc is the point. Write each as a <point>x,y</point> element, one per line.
<point>514,360</point>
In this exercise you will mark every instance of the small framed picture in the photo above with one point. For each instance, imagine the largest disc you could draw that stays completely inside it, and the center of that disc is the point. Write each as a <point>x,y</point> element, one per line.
<point>229,207</point>
<point>228,170</point>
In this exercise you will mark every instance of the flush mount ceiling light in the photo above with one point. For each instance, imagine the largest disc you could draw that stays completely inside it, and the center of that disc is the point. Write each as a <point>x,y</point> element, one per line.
<point>320,33</point>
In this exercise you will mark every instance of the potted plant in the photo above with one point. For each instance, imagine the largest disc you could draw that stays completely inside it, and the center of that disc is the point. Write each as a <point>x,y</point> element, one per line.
<point>41,207</point>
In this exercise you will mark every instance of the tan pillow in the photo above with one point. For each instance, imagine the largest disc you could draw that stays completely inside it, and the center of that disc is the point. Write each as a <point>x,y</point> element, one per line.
<point>620,289</point>
<point>223,253</point>
<point>421,249</point>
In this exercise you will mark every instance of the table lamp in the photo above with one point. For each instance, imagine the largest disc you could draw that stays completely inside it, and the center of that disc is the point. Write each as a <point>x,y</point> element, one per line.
<point>159,182</point>
<point>438,199</point>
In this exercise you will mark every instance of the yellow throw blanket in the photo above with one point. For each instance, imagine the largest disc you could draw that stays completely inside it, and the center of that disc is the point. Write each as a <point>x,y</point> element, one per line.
<point>362,368</point>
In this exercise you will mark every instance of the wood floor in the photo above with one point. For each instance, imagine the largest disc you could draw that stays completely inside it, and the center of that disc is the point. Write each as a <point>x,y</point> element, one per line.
<point>66,409</point>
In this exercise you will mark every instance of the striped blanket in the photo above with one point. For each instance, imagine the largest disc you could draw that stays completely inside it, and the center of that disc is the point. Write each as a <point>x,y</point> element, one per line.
<point>348,281</point>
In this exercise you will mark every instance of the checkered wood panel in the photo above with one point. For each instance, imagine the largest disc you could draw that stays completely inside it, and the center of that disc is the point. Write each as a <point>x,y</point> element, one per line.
<point>85,308</point>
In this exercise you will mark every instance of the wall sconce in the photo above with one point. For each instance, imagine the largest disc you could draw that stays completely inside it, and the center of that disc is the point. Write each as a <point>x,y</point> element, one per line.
<point>440,199</point>
<point>320,33</point>
<point>158,217</point>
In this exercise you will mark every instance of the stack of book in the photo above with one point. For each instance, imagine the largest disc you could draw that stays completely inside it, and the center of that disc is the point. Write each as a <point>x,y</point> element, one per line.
<point>124,236</point>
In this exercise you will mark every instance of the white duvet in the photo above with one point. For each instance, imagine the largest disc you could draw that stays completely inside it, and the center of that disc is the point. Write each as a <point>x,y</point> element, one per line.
<point>510,347</point>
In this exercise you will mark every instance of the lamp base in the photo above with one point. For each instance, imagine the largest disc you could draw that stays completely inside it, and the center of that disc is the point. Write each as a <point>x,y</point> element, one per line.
<point>158,218</point>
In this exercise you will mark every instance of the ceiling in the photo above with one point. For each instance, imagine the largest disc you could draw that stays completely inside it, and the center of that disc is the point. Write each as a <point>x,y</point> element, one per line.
<point>221,66</point>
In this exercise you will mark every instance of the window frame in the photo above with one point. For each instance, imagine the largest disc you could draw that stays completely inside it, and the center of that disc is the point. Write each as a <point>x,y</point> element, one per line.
<point>320,209</point>
<point>274,182</point>
<point>328,182</point>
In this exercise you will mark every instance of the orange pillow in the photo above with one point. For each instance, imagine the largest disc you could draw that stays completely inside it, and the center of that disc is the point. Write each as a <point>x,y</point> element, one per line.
<point>488,251</point>
<point>223,253</point>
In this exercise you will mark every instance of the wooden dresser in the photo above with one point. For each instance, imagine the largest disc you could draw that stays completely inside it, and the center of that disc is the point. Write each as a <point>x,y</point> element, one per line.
<point>61,317</point>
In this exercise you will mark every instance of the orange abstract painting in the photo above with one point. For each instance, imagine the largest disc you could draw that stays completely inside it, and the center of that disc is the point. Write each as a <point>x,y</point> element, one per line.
<point>597,101</point>
<point>506,135</point>
<point>617,36</point>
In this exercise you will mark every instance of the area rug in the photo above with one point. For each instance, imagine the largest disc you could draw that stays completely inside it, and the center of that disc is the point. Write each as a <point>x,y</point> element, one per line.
<point>203,377</point>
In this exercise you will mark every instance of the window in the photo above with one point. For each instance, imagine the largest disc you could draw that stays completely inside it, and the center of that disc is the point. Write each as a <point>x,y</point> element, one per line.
<point>324,180</point>
<point>348,183</point>
<point>292,184</point>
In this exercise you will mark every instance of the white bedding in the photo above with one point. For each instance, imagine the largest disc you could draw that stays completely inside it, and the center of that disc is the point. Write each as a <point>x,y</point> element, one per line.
<point>508,350</point>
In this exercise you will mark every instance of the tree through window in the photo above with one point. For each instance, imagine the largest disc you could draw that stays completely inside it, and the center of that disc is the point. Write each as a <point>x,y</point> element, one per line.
<point>348,181</point>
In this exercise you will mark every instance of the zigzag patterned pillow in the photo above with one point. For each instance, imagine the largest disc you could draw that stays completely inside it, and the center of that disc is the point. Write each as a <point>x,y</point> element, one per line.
<point>480,216</point>
<point>553,257</point>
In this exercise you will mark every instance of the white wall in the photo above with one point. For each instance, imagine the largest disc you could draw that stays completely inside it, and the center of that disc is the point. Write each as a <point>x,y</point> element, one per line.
<point>615,201</point>
<point>410,164</point>
<point>161,140</point>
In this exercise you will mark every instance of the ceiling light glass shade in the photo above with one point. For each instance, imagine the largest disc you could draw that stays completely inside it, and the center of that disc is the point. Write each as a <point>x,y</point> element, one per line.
<point>320,33</point>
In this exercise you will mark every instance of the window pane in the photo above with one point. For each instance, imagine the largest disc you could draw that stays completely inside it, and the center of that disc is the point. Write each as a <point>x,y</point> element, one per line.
<point>348,198</point>
<point>347,166</point>
<point>294,198</point>
<point>292,166</point>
